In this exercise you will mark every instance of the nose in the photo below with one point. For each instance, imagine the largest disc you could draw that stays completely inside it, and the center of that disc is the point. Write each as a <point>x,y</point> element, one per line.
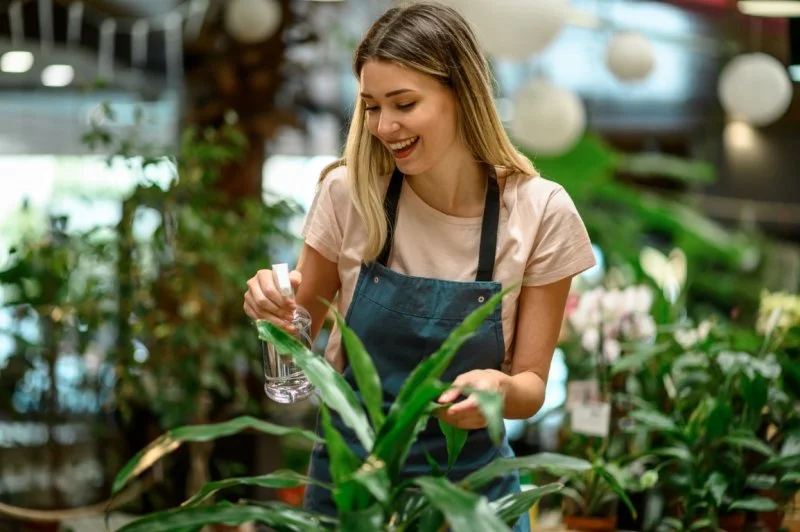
<point>387,125</point>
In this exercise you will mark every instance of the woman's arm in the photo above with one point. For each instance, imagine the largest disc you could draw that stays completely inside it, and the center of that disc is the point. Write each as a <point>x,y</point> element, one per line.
<point>541,311</point>
<point>320,281</point>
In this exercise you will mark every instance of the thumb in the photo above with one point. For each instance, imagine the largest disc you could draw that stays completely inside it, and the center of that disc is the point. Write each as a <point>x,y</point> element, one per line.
<point>295,278</point>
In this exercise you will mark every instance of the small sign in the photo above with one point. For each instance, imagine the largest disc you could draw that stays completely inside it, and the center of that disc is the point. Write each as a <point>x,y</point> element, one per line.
<point>592,419</point>
<point>582,392</point>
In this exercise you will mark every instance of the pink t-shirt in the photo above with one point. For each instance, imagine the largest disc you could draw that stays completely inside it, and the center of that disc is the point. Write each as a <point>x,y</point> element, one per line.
<point>541,239</point>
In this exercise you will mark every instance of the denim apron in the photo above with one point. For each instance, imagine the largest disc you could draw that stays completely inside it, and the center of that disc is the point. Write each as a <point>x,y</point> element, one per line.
<point>402,320</point>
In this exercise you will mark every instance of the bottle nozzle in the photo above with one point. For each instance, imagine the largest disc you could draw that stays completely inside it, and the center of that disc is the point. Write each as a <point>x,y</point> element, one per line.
<point>281,274</point>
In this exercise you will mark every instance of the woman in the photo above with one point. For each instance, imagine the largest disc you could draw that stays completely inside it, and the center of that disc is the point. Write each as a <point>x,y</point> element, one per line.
<point>430,212</point>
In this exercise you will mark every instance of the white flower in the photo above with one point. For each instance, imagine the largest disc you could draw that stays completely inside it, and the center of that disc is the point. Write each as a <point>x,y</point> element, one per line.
<point>590,339</point>
<point>645,327</point>
<point>611,350</point>
<point>613,302</point>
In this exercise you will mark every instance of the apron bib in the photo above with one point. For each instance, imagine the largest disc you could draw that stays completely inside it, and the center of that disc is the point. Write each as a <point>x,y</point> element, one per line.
<point>402,320</point>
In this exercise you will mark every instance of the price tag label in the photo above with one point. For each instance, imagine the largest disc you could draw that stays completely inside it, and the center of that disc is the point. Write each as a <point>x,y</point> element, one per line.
<point>592,419</point>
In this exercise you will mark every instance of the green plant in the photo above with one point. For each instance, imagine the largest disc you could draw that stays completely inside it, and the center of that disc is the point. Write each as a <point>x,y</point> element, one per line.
<point>369,494</point>
<point>594,492</point>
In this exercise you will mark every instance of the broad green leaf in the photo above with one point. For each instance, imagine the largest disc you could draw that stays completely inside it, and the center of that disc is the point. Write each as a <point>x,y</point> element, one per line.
<point>491,406</point>
<point>511,506</point>
<point>464,511</point>
<point>278,479</point>
<point>343,463</point>
<point>367,378</point>
<point>790,478</point>
<point>672,522</point>
<point>370,518</point>
<point>430,520</point>
<point>702,524</point>
<point>719,420</point>
<point>717,485</point>
<point>636,359</point>
<point>279,516</point>
<point>761,482</point>
<point>553,462</point>
<point>616,487</point>
<point>754,504</point>
<point>681,453</point>
<point>433,367</point>
<point>373,476</point>
<point>335,391</point>
<point>790,462</point>
<point>653,420</point>
<point>401,426</point>
<point>455,438</point>
<point>407,504</point>
<point>750,442</point>
<point>172,440</point>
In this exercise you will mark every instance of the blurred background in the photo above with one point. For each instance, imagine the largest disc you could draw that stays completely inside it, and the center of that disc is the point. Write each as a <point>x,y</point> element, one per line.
<point>155,153</point>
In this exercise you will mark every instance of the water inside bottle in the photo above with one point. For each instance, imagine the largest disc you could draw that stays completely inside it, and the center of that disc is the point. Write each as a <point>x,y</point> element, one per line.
<point>285,382</point>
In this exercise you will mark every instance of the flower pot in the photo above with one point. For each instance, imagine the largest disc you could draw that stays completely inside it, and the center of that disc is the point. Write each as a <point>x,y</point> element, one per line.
<point>591,524</point>
<point>291,496</point>
<point>732,522</point>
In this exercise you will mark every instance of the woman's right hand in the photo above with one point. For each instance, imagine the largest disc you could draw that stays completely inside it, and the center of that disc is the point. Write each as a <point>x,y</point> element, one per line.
<point>263,301</point>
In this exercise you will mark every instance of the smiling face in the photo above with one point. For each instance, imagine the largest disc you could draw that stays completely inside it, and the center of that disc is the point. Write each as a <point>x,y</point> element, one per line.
<point>412,114</point>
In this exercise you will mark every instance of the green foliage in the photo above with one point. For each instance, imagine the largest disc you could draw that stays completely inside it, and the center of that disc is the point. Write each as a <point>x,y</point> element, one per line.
<point>370,494</point>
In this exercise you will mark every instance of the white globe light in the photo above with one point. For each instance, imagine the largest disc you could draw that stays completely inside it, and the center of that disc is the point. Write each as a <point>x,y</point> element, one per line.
<point>513,29</point>
<point>755,88</point>
<point>547,119</point>
<point>252,21</point>
<point>629,56</point>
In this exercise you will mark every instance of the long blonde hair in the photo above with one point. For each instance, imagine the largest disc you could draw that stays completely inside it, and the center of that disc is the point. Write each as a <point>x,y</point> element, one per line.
<point>435,40</point>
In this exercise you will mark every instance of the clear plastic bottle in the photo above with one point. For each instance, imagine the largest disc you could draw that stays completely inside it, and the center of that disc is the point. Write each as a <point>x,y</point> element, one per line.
<point>285,382</point>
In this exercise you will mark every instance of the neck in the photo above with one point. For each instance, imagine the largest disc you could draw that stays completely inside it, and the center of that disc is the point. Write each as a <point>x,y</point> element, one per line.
<point>454,186</point>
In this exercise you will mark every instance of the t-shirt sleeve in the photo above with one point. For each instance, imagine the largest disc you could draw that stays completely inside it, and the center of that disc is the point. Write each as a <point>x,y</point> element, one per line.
<point>323,228</point>
<point>562,247</point>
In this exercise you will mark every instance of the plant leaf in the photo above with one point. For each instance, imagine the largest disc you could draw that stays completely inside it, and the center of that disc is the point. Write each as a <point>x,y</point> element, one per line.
<point>281,516</point>
<point>278,479</point>
<point>491,406</point>
<point>653,420</point>
<point>717,485</point>
<point>750,442</point>
<point>335,391</point>
<point>455,438</point>
<point>761,482</point>
<point>552,462</point>
<point>464,511</point>
<point>638,358</point>
<point>754,504</point>
<point>616,487</point>
<point>172,440</point>
<point>790,477</point>
<point>366,376</point>
<point>370,518</point>
<point>343,464</point>
<point>373,476</point>
<point>433,367</point>
<point>511,506</point>
<point>702,524</point>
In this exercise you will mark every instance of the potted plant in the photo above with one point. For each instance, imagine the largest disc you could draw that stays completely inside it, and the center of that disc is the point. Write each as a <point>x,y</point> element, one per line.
<point>368,493</point>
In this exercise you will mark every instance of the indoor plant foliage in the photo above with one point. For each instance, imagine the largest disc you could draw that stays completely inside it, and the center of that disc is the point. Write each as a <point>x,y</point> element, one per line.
<point>368,493</point>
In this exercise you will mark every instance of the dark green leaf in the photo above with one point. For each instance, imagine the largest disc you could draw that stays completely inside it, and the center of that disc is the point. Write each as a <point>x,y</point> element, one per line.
<point>284,517</point>
<point>366,376</point>
<point>761,482</point>
<point>616,487</point>
<point>681,453</point>
<point>702,524</point>
<point>172,440</point>
<point>343,463</point>
<point>636,359</point>
<point>430,520</point>
<point>653,420</point>
<point>371,518</point>
<point>719,420</point>
<point>793,477</point>
<point>335,391</point>
<point>434,366</point>
<point>277,479</point>
<point>671,523</point>
<point>491,406</point>
<point>754,504</point>
<point>750,442</point>
<point>373,476</point>
<point>717,485</point>
<point>511,506</point>
<point>755,392</point>
<point>455,438</point>
<point>553,462</point>
<point>464,511</point>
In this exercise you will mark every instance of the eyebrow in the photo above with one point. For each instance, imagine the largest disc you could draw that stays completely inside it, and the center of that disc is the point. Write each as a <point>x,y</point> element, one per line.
<point>388,94</point>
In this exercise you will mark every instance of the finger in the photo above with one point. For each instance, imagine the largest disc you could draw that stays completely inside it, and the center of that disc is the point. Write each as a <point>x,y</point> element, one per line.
<point>266,282</point>
<point>270,302</point>
<point>295,277</point>
<point>449,395</point>
<point>464,407</point>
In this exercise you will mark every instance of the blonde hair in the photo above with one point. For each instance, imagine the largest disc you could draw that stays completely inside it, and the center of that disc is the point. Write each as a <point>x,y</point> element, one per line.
<point>435,40</point>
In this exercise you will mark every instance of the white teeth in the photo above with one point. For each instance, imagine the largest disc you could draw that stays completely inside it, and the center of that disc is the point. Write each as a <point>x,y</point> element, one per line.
<point>401,145</point>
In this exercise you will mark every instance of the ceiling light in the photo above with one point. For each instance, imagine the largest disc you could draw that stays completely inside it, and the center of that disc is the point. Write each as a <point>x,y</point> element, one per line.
<point>16,62</point>
<point>58,75</point>
<point>770,8</point>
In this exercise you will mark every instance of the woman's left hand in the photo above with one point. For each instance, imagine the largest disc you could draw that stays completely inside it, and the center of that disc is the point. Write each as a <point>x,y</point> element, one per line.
<point>466,414</point>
